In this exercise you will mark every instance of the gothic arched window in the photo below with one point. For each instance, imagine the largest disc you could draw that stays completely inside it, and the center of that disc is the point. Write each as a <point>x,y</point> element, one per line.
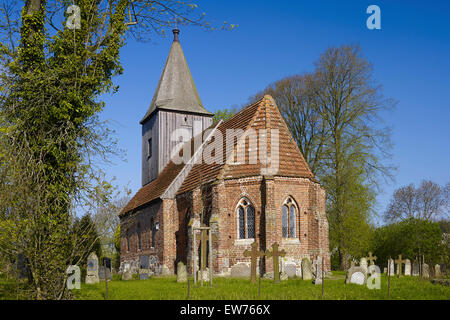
<point>289,214</point>
<point>246,219</point>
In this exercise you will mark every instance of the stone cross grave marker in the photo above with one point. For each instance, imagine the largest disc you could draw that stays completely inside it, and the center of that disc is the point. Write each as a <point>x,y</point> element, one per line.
<point>254,254</point>
<point>275,254</point>
<point>399,263</point>
<point>371,259</point>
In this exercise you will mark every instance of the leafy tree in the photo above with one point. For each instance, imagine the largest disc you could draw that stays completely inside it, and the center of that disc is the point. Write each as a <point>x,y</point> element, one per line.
<point>333,114</point>
<point>427,202</point>
<point>50,136</point>
<point>89,239</point>
<point>223,114</point>
<point>411,238</point>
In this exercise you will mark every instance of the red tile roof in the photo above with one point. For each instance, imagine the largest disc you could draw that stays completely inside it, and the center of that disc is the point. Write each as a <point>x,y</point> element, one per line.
<point>263,114</point>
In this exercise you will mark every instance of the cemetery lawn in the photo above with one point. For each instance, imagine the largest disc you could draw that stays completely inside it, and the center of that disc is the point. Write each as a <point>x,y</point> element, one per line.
<point>166,288</point>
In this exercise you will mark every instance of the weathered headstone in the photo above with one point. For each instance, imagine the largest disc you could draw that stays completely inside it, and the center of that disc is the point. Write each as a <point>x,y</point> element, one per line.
<point>126,275</point>
<point>415,268</point>
<point>385,270</point>
<point>144,268</point>
<point>181,272</point>
<point>144,276</point>
<point>275,254</point>
<point>363,264</point>
<point>283,276</point>
<point>290,269</point>
<point>240,270</point>
<point>390,267</point>
<point>107,262</point>
<point>101,273</point>
<point>425,270</point>
<point>437,271</point>
<point>92,269</point>
<point>407,267</point>
<point>254,254</point>
<point>306,269</point>
<point>443,269</point>
<point>356,275</point>
<point>318,274</point>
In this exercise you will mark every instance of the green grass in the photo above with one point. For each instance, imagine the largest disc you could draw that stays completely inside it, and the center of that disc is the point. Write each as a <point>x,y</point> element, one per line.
<point>166,288</point>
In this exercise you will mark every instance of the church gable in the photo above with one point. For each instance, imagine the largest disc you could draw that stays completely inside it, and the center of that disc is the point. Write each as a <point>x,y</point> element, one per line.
<point>283,155</point>
<point>255,118</point>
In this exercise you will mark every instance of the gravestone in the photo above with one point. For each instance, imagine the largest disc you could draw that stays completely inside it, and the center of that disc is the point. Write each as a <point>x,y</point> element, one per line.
<point>181,272</point>
<point>415,268</point>
<point>385,270</point>
<point>92,269</point>
<point>407,267</point>
<point>363,264</point>
<point>443,269</point>
<point>283,276</point>
<point>318,274</point>
<point>107,261</point>
<point>101,273</point>
<point>437,271</point>
<point>268,275</point>
<point>126,275</point>
<point>290,269</point>
<point>391,270</point>
<point>240,270</point>
<point>306,269</point>
<point>356,275</point>
<point>144,268</point>
<point>425,270</point>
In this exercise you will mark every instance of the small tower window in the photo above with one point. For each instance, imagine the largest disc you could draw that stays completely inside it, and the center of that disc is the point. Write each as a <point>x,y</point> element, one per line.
<point>149,146</point>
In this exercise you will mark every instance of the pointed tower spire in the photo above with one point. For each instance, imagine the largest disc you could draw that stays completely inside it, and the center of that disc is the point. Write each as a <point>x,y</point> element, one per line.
<point>176,89</point>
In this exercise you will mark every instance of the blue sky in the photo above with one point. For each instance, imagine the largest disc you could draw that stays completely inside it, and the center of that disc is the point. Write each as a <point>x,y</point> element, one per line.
<point>410,55</point>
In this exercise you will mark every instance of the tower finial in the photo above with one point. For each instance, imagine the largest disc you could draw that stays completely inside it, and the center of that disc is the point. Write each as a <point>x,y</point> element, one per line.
<point>176,32</point>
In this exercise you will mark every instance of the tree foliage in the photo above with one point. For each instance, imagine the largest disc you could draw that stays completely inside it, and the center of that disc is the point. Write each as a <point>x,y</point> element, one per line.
<point>223,114</point>
<point>51,139</point>
<point>411,238</point>
<point>427,202</point>
<point>334,115</point>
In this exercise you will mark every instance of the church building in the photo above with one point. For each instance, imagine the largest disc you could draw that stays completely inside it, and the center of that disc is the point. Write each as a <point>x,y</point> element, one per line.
<point>241,198</point>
